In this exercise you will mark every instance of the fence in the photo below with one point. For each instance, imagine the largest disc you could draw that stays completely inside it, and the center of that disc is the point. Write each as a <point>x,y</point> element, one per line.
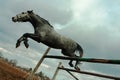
<point>92,60</point>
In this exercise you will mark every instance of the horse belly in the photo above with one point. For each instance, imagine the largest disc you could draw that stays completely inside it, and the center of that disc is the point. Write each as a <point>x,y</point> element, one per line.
<point>57,41</point>
<point>54,42</point>
<point>64,43</point>
<point>69,44</point>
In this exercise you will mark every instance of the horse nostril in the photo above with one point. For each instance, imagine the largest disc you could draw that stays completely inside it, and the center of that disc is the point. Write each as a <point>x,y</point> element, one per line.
<point>12,18</point>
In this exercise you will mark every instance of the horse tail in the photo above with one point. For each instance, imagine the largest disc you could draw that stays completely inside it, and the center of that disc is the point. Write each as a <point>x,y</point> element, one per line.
<point>79,48</point>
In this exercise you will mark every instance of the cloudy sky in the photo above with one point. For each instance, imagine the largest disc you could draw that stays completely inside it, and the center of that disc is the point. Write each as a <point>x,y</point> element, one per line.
<point>94,24</point>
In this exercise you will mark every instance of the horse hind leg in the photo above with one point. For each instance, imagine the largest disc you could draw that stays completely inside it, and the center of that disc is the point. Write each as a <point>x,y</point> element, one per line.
<point>70,63</point>
<point>76,65</point>
<point>72,55</point>
<point>77,62</point>
<point>66,53</point>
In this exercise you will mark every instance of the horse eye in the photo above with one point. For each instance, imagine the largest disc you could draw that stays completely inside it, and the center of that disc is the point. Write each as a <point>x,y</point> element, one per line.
<point>22,12</point>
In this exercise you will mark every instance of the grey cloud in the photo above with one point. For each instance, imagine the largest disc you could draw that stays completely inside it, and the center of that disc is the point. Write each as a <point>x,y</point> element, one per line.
<point>97,40</point>
<point>60,14</point>
<point>56,15</point>
<point>100,40</point>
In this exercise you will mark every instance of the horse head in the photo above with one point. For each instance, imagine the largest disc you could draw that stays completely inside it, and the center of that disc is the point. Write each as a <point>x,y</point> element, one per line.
<point>22,17</point>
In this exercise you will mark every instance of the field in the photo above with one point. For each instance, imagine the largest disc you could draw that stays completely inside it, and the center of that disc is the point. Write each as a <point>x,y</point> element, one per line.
<point>10,72</point>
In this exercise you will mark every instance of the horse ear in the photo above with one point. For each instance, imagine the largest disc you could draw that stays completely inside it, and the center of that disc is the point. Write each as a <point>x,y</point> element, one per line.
<point>31,11</point>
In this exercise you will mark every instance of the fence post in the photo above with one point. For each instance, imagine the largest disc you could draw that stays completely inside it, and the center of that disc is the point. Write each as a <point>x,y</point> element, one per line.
<point>72,75</point>
<point>38,64</point>
<point>56,72</point>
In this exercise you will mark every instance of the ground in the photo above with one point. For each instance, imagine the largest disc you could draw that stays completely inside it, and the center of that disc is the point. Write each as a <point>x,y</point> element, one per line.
<point>10,72</point>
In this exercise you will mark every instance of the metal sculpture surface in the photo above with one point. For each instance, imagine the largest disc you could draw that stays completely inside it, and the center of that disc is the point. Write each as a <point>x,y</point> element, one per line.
<point>45,33</point>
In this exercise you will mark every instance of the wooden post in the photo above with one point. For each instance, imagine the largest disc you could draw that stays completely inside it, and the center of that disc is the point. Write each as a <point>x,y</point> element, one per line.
<point>56,72</point>
<point>38,64</point>
<point>68,72</point>
<point>72,75</point>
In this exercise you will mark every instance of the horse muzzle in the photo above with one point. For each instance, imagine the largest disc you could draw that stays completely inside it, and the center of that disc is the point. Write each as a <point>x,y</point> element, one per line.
<point>13,19</point>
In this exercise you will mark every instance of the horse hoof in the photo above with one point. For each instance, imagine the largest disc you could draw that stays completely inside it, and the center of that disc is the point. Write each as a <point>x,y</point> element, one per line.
<point>17,44</point>
<point>77,68</point>
<point>26,44</point>
<point>71,65</point>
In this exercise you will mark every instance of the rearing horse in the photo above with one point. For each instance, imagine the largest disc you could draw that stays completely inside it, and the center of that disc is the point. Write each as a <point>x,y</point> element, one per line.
<point>45,33</point>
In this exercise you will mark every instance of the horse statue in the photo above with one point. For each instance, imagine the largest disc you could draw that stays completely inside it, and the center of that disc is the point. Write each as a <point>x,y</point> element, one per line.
<point>45,33</point>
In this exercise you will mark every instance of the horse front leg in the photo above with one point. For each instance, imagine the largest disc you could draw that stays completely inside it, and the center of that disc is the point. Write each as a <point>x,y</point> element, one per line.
<point>35,37</point>
<point>24,38</point>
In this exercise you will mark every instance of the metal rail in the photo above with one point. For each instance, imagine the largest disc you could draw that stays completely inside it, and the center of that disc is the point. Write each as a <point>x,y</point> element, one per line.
<point>93,60</point>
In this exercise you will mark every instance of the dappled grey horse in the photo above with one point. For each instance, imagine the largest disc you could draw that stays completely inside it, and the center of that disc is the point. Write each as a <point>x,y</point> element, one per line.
<point>45,33</point>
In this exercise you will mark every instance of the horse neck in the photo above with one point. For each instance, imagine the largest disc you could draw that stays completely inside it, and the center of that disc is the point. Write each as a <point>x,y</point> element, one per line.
<point>35,21</point>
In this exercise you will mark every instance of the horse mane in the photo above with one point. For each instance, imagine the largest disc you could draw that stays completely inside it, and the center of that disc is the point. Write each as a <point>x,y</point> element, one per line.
<point>44,21</point>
